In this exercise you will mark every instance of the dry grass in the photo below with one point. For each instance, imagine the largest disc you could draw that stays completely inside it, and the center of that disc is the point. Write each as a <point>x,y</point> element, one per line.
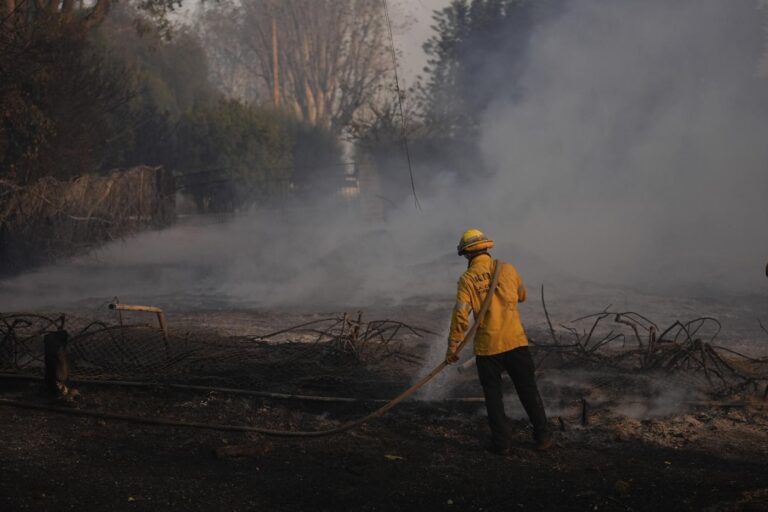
<point>52,218</point>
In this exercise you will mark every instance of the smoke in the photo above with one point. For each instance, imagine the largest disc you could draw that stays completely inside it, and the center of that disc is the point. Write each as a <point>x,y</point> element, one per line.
<point>638,154</point>
<point>635,155</point>
<point>416,19</point>
<point>306,258</point>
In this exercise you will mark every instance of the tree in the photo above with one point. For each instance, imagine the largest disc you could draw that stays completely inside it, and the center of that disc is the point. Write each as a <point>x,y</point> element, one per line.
<point>62,99</point>
<point>170,77</point>
<point>56,98</point>
<point>76,14</point>
<point>322,60</point>
<point>77,98</point>
<point>476,54</point>
<point>233,155</point>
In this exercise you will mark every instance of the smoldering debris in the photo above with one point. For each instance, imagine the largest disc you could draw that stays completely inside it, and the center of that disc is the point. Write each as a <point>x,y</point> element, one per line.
<point>349,334</point>
<point>635,343</point>
<point>348,359</point>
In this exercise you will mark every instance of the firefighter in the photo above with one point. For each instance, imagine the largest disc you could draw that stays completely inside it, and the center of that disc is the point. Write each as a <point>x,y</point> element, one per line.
<point>500,343</point>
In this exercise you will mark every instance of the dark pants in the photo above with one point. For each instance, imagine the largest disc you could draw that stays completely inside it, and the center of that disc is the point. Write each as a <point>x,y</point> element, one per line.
<point>519,365</point>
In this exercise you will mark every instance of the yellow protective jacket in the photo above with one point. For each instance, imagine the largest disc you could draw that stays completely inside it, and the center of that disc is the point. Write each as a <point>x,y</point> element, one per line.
<point>501,329</point>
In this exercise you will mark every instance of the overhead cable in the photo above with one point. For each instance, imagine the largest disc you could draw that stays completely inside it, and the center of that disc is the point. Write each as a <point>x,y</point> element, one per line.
<point>400,105</point>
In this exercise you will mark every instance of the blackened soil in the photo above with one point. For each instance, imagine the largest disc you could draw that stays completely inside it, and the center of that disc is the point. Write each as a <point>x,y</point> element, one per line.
<point>419,457</point>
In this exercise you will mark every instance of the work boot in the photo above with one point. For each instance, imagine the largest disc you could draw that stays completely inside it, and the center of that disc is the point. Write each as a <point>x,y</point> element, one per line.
<point>496,449</point>
<point>544,441</point>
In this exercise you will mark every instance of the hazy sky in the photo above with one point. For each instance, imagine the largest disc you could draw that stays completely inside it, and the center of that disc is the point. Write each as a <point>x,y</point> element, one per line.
<point>419,12</point>
<point>415,14</point>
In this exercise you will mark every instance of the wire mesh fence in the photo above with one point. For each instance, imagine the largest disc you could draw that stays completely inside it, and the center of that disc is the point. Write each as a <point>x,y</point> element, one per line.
<point>105,347</point>
<point>100,348</point>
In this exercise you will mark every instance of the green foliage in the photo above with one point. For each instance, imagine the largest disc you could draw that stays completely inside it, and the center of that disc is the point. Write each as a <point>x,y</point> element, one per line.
<point>55,100</point>
<point>441,97</point>
<point>172,73</point>
<point>74,101</point>
<point>317,162</point>
<point>67,105</point>
<point>476,55</point>
<point>171,76</point>
<point>234,154</point>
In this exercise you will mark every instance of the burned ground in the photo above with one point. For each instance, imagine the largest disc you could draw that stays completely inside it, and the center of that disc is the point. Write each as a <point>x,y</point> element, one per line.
<point>651,439</point>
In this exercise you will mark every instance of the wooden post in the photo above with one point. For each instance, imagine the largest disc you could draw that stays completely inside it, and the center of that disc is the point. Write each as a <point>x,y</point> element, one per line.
<point>119,314</point>
<point>356,329</point>
<point>56,362</point>
<point>141,196</point>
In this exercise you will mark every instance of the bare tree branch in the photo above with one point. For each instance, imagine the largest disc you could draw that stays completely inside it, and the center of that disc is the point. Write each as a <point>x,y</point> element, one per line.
<point>332,54</point>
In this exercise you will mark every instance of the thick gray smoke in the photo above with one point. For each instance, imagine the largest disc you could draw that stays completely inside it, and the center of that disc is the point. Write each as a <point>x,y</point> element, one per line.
<point>637,155</point>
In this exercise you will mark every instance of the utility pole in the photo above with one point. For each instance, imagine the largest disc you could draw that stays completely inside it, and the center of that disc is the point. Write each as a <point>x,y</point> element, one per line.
<point>275,65</point>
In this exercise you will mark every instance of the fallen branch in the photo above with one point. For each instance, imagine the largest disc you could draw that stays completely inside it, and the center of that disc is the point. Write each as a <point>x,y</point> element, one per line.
<point>555,340</point>
<point>677,348</point>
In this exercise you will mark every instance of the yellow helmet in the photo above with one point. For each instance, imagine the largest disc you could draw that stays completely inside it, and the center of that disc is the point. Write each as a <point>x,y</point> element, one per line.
<point>473,240</point>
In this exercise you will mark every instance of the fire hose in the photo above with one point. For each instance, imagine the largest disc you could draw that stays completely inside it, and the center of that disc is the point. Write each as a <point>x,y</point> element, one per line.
<point>272,432</point>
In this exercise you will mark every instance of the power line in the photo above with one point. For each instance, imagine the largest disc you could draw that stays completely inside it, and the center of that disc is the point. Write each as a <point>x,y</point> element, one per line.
<point>400,105</point>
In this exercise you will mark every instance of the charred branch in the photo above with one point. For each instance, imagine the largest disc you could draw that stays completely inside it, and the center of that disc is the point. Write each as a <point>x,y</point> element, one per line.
<point>679,348</point>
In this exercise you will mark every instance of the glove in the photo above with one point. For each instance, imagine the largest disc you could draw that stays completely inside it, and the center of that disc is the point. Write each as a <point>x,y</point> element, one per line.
<point>451,356</point>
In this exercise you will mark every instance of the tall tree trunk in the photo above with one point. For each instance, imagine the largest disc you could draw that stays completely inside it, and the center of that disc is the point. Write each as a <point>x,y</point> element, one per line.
<point>275,66</point>
<point>10,6</point>
<point>98,13</point>
<point>53,6</point>
<point>309,93</point>
<point>67,9</point>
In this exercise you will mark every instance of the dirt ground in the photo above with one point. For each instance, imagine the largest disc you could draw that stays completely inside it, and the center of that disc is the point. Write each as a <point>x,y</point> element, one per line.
<point>650,441</point>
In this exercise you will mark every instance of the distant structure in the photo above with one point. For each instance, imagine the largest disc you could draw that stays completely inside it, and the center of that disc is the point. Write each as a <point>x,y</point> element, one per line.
<point>350,189</point>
